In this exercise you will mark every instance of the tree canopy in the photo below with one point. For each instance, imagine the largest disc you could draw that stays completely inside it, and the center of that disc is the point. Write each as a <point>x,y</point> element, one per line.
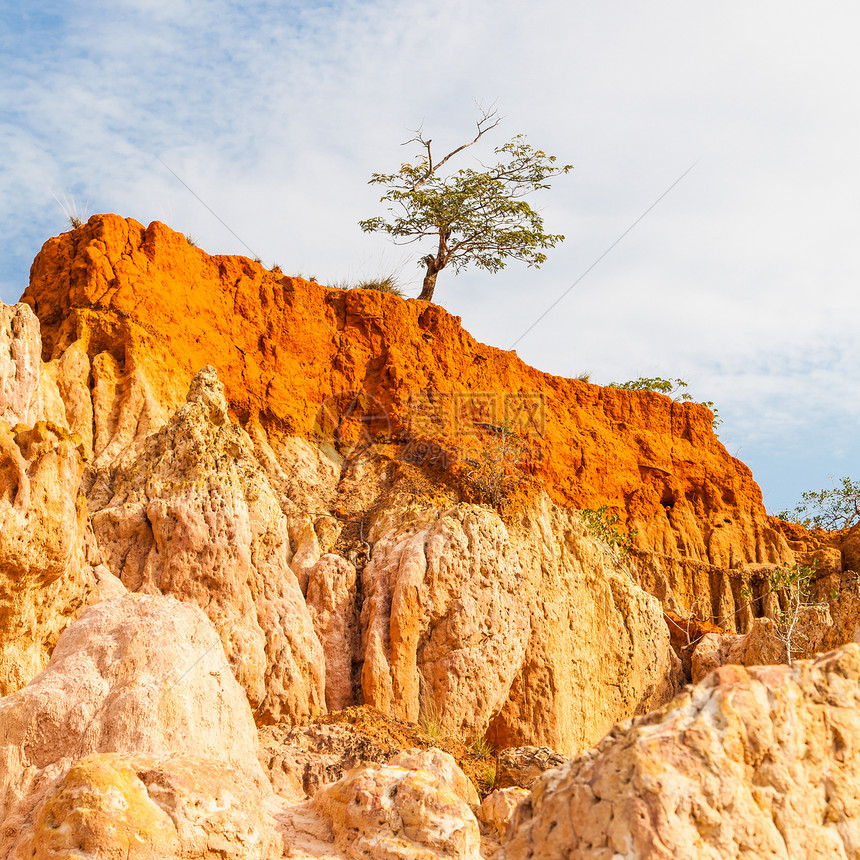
<point>474,217</point>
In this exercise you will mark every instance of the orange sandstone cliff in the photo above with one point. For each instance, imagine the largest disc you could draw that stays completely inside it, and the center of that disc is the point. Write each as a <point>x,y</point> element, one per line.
<point>131,302</point>
<point>237,529</point>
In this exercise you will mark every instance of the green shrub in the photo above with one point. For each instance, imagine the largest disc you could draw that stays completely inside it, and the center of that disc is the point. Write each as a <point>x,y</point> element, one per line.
<point>674,388</point>
<point>602,525</point>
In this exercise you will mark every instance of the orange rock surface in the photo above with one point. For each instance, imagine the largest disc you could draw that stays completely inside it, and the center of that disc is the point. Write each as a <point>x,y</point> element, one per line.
<point>133,298</point>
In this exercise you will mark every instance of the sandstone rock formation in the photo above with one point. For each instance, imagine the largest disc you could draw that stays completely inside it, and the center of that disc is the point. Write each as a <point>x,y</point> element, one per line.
<point>473,627</point>
<point>44,576</point>
<point>315,518</point>
<point>498,808</point>
<point>137,700</point>
<point>20,366</point>
<point>142,311</point>
<point>755,762</point>
<point>193,516</point>
<point>398,813</point>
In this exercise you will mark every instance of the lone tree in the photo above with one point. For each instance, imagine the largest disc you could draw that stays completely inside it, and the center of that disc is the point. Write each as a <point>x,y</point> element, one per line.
<point>474,216</point>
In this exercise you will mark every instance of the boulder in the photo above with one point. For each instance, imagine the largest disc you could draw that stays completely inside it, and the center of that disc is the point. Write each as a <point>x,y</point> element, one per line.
<point>385,812</point>
<point>135,674</point>
<point>751,762</point>
<point>521,766</point>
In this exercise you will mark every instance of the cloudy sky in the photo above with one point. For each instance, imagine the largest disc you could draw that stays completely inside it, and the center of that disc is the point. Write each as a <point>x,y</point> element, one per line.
<point>742,280</point>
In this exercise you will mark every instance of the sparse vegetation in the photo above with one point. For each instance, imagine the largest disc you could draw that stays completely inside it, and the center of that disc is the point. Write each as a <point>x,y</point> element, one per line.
<point>473,217</point>
<point>191,241</point>
<point>480,746</point>
<point>387,284</point>
<point>499,469</point>
<point>677,389</point>
<point>835,508</point>
<point>792,586</point>
<point>601,524</point>
<point>486,778</point>
<point>75,213</point>
<point>429,719</point>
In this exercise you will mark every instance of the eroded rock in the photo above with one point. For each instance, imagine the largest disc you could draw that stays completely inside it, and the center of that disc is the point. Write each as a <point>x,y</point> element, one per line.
<point>396,813</point>
<point>136,674</point>
<point>194,517</point>
<point>758,762</point>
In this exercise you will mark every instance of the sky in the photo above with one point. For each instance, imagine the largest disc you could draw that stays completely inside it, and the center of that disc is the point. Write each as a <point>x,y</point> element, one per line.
<point>739,120</point>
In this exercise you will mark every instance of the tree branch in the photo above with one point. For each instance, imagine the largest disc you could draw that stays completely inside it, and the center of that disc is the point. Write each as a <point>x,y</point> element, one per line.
<point>488,121</point>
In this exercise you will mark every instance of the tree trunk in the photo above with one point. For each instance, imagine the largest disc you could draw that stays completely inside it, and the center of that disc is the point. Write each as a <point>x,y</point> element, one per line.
<point>429,280</point>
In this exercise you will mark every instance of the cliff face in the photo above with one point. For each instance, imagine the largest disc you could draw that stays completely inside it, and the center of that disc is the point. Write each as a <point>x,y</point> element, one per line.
<point>269,495</point>
<point>140,309</point>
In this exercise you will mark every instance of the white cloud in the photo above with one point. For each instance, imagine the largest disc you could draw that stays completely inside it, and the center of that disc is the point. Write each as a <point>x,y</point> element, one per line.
<point>742,280</point>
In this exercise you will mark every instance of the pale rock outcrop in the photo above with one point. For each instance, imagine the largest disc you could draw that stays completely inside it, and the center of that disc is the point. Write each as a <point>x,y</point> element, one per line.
<point>498,807</point>
<point>759,646</point>
<point>44,578</point>
<point>134,675</point>
<point>599,648</point>
<point>444,624</point>
<point>20,365</point>
<point>145,807</point>
<point>530,629</point>
<point>443,766</point>
<point>759,762</point>
<point>333,603</point>
<point>194,517</point>
<point>385,812</point>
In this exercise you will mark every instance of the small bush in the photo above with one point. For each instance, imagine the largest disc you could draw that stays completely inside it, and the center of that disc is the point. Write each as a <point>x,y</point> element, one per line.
<point>499,470</point>
<point>602,525</point>
<point>388,284</point>
<point>792,585</point>
<point>674,388</point>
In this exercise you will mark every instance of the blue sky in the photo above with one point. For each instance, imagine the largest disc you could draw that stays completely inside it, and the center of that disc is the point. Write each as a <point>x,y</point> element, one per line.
<point>742,280</point>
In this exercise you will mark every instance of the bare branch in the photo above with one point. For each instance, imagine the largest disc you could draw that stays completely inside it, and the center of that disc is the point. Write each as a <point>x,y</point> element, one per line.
<point>488,121</point>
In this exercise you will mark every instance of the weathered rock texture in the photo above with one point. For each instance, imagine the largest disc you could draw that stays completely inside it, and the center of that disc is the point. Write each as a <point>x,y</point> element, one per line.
<point>142,311</point>
<point>20,365</point>
<point>44,576</point>
<point>398,813</point>
<point>473,626</point>
<point>193,516</point>
<point>756,762</point>
<point>137,702</point>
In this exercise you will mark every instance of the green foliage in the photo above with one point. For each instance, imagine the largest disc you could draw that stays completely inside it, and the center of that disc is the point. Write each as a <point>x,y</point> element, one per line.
<point>191,241</point>
<point>674,388</point>
<point>601,524</point>
<point>487,777</point>
<point>480,747</point>
<point>831,509</point>
<point>474,217</point>
<point>792,585</point>
<point>498,471</point>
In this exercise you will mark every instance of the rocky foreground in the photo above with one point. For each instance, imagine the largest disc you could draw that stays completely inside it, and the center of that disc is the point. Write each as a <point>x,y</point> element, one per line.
<point>266,590</point>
